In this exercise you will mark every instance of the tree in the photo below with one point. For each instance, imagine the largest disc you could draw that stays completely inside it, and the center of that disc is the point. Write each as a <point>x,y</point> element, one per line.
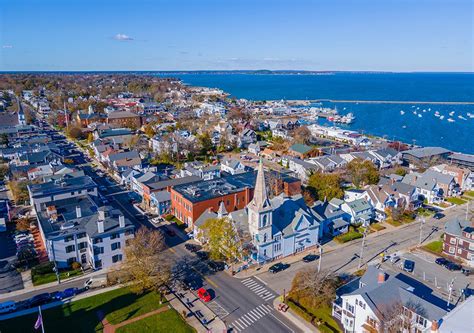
<point>325,186</point>
<point>149,131</point>
<point>90,137</point>
<point>3,139</point>
<point>146,261</point>
<point>362,172</point>
<point>19,191</point>
<point>400,171</point>
<point>131,141</point>
<point>395,314</point>
<point>23,224</point>
<point>75,133</point>
<point>221,239</point>
<point>205,142</point>
<point>302,135</point>
<point>312,289</point>
<point>398,146</point>
<point>3,170</point>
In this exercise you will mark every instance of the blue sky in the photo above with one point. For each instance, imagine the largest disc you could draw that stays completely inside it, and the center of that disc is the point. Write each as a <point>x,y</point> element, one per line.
<point>377,35</point>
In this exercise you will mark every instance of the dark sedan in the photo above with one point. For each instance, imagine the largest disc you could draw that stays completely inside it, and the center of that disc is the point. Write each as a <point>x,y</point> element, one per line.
<point>442,261</point>
<point>278,267</point>
<point>310,257</point>
<point>453,266</point>
<point>39,299</point>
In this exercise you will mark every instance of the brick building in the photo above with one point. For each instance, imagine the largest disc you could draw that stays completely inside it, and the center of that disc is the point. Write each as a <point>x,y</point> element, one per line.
<point>189,201</point>
<point>458,241</point>
<point>124,119</point>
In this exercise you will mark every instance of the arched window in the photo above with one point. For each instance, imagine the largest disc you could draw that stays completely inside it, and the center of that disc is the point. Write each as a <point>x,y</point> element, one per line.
<point>264,221</point>
<point>264,238</point>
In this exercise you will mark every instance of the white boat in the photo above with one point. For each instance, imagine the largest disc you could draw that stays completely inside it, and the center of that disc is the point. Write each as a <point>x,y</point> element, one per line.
<point>451,120</point>
<point>436,114</point>
<point>402,112</point>
<point>415,113</point>
<point>429,109</point>
<point>461,117</point>
<point>451,113</point>
<point>441,117</point>
<point>419,115</point>
<point>404,126</point>
<point>470,115</point>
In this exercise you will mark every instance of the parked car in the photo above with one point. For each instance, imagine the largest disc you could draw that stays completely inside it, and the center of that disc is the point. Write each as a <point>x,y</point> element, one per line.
<point>310,257</point>
<point>96,282</point>
<point>408,266</point>
<point>278,267</point>
<point>66,293</point>
<point>7,307</point>
<point>439,216</point>
<point>453,266</point>
<point>192,247</point>
<point>466,271</point>
<point>39,299</point>
<point>204,295</point>
<point>202,255</point>
<point>442,261</point>
<point>216,266</point>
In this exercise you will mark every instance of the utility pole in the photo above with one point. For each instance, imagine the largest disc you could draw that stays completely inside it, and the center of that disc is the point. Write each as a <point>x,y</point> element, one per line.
<point>422,222</point>
<point>362,247</point>
<point>450,291</point>
<point>320,257</point>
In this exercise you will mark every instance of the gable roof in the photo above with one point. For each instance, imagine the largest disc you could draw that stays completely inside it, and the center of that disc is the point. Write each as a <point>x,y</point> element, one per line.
<point>301,148</point>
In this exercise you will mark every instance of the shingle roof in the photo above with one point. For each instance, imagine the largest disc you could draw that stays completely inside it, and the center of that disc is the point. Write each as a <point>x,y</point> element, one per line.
<point>426,152</point>
<point>301,148</point>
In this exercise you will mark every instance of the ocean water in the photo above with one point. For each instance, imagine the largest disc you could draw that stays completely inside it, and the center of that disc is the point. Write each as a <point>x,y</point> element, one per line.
<point>376,119</point>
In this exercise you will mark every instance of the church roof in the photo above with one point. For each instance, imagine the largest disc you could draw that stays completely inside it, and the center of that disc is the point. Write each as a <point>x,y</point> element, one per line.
<point>260,197</point>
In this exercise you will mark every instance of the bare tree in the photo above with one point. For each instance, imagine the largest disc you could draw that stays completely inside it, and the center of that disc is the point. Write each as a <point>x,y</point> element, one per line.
<point>396,315</point>
<point>146,261</point>
<point>313,288</point>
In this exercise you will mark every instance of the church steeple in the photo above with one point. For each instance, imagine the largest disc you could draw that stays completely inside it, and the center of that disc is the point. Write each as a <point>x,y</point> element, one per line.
<point>260,197</point>
<point>222,211</point>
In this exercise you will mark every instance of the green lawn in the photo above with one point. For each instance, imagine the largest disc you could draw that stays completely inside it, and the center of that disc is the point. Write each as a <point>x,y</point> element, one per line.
<point>322,313</point>
<point>434,246</point>
<point>377,227</point>
<point>469,193</point>
<point>168,321</point>
<point>39,279</point>
<point>347,237</point>
<point>456,201</point>
<point>84,315</point>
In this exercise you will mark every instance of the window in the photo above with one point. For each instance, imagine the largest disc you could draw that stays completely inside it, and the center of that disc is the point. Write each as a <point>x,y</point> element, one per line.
<point>115,246</point>
<point>350,308</point>
<point>71,260</point>
<point>452,240</point>
<point>70,248</point>
<point>82,245</point>
<point>421,321</point>
<point>68,238</point>
<point>264,221</point>
<point>116,258</point>
<point>98,264</point>
<point>277,247</point>
<point>114,236</point>
<point>451,249</point>
<point>81,235</point>
<point>98,250</point>
<point>264,238</point>
<point>97,240</point>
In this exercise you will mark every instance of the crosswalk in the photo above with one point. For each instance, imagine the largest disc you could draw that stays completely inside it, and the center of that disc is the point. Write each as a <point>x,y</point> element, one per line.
<point>250,317</point>
<point>258,289</point>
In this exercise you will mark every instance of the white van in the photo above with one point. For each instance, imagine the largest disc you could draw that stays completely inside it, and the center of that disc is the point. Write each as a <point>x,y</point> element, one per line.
<point>96,282</point>
<point>7,307</point>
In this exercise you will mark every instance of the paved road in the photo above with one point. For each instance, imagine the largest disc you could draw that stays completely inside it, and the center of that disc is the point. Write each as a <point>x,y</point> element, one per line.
<point>346,259</point>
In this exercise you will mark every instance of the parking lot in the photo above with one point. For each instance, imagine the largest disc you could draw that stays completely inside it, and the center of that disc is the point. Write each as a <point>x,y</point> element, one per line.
<point>435,276</point>
<point>10,279</point>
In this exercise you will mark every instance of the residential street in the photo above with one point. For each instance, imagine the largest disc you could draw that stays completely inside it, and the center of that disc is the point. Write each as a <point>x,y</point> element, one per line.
<point>345,258</point>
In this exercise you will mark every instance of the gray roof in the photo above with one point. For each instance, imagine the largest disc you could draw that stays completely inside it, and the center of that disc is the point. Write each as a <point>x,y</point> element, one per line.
<point>61,186</point>
<point>440,177</point>
<point>456,226</point>
<point>124,155</point>
<point>173,182</point>
<point>359,205</point>
<point>462,157</point>
<point>426,152</point>
<point>459,319</point>
<point>161,196</point>
<point>399,288</point>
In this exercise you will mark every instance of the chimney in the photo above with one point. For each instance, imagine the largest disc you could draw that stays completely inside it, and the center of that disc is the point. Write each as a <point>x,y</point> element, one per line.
<point>381,277</point>
<point>101,214</point>
<point>122,221</point>
<point>100,226</point>
<point>78,212</point>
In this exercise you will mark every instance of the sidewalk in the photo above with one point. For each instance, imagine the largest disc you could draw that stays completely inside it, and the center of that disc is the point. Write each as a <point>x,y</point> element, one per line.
<point>26,276</point>
<point>302,324</point>
<point>207,321</point>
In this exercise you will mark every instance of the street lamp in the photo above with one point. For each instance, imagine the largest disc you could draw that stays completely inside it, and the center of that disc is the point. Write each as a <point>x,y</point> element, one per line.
<point>320,256</point>
<point>366,225</point>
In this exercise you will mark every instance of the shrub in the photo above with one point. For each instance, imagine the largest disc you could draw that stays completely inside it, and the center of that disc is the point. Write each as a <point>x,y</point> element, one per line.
<point>75,265</point>
<point>43,268</point>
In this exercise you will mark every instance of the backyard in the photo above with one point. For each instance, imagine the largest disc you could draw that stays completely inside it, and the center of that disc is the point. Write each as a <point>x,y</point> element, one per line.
<point>85,315</point>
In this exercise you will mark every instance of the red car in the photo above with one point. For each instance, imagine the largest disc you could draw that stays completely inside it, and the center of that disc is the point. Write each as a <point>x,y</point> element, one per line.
<point>204,295</point>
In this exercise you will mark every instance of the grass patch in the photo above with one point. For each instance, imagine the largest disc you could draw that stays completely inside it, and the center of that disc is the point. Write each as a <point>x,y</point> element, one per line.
<point>168,321</point>
<point>434,246</point>
<point>348,236</point>
<point>469,193</point>
<point>394,223</point>
<point>424,212</point>
<point>456,201</point>
<point>322,314</point>
<point>377,227</point>
<point>85,315</point>
<point>51,277</point>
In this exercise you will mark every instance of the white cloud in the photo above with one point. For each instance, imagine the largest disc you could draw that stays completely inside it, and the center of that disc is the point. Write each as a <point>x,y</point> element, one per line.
<point>7,46</point>
<point>122,37</point>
